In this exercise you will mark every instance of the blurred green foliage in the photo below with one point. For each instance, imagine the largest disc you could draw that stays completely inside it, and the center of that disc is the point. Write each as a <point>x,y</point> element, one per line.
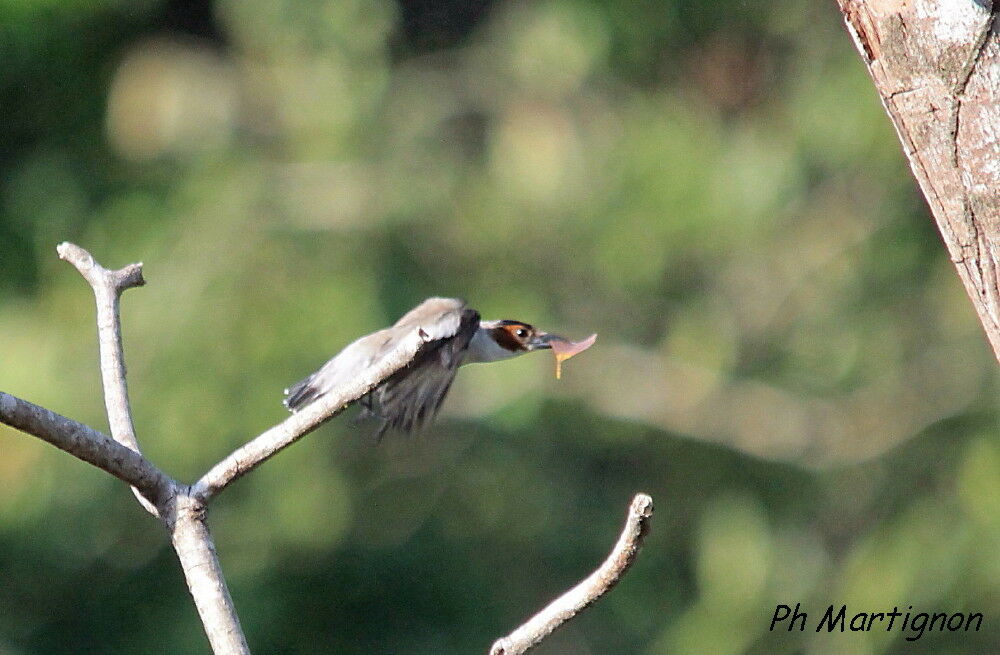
<point>787,362</point>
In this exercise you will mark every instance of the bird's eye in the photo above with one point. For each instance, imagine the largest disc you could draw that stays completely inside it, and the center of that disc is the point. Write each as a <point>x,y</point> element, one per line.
<point>521,333</point>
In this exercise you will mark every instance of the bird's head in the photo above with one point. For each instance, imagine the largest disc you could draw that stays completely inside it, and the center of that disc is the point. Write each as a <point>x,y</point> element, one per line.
<point>517,337</point>
<point>496,340</point>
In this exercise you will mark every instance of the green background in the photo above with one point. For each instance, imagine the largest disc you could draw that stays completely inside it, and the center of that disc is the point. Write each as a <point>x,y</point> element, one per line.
<point>787,362</point>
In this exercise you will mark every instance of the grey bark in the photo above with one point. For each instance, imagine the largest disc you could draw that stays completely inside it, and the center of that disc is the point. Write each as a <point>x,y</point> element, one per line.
<point>89,445</point>
<point>195,549</point>
<point>108,287</point>
<point>172,503</point>
<point>182,508</point>
<point>296,426</point>
<point>936,66</point>
<point>598,583</point>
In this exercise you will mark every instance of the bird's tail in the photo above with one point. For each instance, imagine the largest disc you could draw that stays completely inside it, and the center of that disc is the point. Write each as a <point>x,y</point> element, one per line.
<point>300,394</point>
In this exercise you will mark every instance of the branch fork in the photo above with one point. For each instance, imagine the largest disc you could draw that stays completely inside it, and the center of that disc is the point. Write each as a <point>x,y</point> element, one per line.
<point>182,508</point>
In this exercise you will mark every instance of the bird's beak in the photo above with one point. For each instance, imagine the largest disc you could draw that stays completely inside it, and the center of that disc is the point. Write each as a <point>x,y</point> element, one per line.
<point>543,341</point>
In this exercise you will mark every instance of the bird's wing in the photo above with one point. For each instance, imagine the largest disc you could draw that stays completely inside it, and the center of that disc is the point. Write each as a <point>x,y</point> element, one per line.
<point>437,318</point>
<point>343,367</point>
<point>411,396</point>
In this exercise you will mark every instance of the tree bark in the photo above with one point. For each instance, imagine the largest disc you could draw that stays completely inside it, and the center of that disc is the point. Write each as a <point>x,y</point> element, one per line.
<point>181,508</point>
<point>89,445</point>
<point>195,549</point>
<point>584,594</point>
<point>936,66</point>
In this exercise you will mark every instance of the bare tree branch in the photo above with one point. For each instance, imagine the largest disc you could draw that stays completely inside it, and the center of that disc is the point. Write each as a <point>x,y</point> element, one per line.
<point>183,515</point>
<point>936,65</point>
<point>182,508</point>
<point>196,551</point>
<point>108,286</point>
<point>584,594</point>
<point>296,426</point>
<point>87,444</point>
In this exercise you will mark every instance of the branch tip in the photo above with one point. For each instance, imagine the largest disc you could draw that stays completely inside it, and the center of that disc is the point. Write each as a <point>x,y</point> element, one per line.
<point>642,505</point>
<point>128,277</point>
<point>589,590</point>
<point>74,254</point>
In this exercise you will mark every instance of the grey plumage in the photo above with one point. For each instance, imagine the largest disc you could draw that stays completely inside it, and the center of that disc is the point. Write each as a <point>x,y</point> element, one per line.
<point>451,334</point>
<point>410,397</point>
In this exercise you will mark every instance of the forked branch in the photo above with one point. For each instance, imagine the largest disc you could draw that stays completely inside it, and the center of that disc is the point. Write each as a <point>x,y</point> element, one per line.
<point>182,508</point>
<point>108,286</point>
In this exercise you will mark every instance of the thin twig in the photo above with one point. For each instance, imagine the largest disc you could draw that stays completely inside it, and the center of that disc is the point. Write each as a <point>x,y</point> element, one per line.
<point>593,587</point>
<point>87,444</point>
<point>108,286</point>
<point>247,457</point>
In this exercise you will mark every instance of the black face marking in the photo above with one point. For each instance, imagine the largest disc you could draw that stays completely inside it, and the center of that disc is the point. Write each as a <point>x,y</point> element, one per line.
<point>507,336</point>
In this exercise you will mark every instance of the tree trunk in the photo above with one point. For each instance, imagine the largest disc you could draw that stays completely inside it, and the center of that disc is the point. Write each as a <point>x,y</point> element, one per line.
<point>936,65</point>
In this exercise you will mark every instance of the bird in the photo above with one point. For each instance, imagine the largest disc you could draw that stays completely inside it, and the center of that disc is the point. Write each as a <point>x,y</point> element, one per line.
<point>453,335</point>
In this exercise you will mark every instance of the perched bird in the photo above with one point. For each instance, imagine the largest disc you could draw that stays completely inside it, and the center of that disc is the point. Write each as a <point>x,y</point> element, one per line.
<point>453,335</point>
